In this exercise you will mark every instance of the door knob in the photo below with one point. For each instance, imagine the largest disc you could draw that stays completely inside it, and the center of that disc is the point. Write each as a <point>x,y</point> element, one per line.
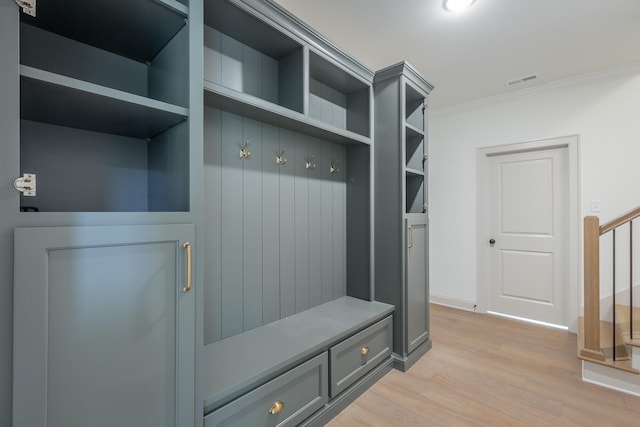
<point>492,242</point>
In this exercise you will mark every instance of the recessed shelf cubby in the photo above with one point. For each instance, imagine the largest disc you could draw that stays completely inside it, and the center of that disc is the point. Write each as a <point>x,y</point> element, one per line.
<point>261,62</point>
<point>338,98</point>
<point>104,91</point>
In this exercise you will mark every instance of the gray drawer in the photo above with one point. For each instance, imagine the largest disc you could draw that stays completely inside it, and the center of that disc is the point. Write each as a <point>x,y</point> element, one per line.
<point>302,390</point>
<point>357,355</point>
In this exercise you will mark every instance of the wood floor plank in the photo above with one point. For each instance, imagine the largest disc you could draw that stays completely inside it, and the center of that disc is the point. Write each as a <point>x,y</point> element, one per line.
<point>486,370</point>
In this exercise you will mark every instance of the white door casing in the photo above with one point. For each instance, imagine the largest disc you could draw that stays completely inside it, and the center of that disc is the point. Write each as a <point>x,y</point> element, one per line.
<point>528,204</point>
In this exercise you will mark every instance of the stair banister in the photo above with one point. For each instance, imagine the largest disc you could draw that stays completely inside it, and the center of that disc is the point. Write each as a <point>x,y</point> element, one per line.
<point>592,349</point>
<point>592,233</point>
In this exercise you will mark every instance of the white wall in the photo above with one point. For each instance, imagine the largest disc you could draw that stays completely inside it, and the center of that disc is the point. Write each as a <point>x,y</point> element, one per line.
<point>603,109</point>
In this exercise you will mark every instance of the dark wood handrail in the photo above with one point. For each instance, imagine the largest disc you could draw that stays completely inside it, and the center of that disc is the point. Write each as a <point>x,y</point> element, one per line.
<point>621,220</point>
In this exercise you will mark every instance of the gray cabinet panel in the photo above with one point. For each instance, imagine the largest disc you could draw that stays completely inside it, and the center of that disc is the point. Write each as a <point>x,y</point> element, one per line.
<point>326,218</point>
<point>252,225</point>
<point>287,223</point>
<point>417,282</point>
<point>212,235</point>
<point>339,223</point>
<point>271,148</point>
<point>103,333</point>
<point>301,225</point>
<point>357,355</point>
<point>315,224</point>
<point>231,226</point>
<point>302,391</point>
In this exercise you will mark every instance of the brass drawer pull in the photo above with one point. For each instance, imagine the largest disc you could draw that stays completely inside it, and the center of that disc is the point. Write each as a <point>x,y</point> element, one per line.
<point>364,351</point>
<point>187,246</point>
<point>276,407</point>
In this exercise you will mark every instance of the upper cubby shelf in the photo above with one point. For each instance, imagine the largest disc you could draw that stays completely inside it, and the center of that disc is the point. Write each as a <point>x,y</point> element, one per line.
<point>338,98</point>
<point>134,29</point>
<point>263,63</point>
<point>51,98</point>
<point>414,108</point>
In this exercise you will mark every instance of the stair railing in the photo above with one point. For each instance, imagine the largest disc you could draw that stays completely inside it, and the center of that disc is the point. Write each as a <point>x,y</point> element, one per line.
<point>592,232</point>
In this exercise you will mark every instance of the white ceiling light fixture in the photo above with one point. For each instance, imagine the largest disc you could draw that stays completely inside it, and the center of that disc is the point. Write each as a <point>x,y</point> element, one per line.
<point>457,5</point>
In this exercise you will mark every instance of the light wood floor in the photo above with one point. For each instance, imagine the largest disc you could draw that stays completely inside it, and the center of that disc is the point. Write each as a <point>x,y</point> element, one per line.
<point>485,370</point>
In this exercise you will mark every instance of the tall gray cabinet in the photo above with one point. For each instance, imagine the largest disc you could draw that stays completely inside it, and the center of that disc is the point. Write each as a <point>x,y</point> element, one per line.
<point>100,130</point>
<point>401,209</point>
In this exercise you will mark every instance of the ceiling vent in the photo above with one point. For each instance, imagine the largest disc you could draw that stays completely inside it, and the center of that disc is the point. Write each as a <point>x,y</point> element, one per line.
<point>524,79</point>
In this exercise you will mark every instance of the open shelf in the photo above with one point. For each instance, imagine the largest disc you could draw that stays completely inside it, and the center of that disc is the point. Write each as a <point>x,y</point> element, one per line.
<point>134,29</point>
<point>415,193</point>
<point>338,98</point>
<point>51,98</point>
<point>221,97</point>
<point>414,108</point>
<point>247,55</point>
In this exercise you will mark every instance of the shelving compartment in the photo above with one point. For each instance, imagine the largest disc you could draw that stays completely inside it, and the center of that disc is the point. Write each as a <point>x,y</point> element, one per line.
<point>414,108</point>
<point>338,98</point>
<point>137,47</point>
<point>246,55</point>
<point>104,94</point>
<point>414,146</point>
<point>415,194</point>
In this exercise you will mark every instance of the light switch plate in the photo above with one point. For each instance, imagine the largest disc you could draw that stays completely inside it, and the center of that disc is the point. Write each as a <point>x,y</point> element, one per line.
<point>595,206</point>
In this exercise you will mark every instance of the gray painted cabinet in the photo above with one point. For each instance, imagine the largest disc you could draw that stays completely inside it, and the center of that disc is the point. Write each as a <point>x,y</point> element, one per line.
<point>95,328</point>
<point>401,210</point>
<point>103,327</point>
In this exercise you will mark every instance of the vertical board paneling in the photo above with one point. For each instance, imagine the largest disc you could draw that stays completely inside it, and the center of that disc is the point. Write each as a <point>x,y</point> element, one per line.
<point>252,225</point>
<point>213,232</point>
<point>252,71</point>
<point>231,71</point>
<point>269,79</point>
<point>301,218</point>
<point>326,219</point>
<point>212,55</point>
<point>232,235</point>
<point>271,223</point>
<point>315,224</point>
<point>287,238</point>
<point>339,222</point>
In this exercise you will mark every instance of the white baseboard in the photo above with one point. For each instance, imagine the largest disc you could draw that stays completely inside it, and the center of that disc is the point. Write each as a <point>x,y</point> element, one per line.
<point>453,302</point>
<point>612,378</point>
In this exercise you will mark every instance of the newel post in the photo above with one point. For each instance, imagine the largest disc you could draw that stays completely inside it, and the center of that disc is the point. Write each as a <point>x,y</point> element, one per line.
<point>592,349</point>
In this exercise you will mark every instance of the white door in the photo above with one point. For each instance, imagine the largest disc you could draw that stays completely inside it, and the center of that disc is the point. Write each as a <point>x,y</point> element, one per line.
<point>528,220</point>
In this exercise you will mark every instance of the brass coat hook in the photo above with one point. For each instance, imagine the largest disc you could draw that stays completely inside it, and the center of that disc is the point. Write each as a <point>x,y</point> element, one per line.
<point>244,152</point>
<point>280,160</point>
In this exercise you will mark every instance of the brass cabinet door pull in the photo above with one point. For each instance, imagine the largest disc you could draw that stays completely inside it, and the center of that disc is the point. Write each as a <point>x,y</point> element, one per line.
<point>276,407</point>
<point>364,351</point>
<point>187,246</point>
<point>410,237</point>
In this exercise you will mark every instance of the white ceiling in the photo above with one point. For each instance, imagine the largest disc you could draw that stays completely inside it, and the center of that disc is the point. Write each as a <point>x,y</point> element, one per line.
<point>472,55</point>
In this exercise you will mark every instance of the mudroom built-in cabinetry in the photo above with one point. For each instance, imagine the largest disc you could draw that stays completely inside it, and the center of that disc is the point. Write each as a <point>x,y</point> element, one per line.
<point>208,216</point>
<point>292,329</point>
<point>401,208</point>
<point>100,130</point>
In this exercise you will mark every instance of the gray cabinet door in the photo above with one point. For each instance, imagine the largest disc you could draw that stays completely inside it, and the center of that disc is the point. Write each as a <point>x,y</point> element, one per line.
<point>417,303</point>
<point>103,330</point>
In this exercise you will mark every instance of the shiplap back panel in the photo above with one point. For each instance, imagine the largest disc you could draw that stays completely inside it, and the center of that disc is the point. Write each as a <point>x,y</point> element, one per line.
<point>275,239</point>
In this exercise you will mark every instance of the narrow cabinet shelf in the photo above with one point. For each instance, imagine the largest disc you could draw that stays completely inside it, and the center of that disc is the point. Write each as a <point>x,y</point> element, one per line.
<point>133,29</point>
<point>104,104</point>
<point>64,101</point>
